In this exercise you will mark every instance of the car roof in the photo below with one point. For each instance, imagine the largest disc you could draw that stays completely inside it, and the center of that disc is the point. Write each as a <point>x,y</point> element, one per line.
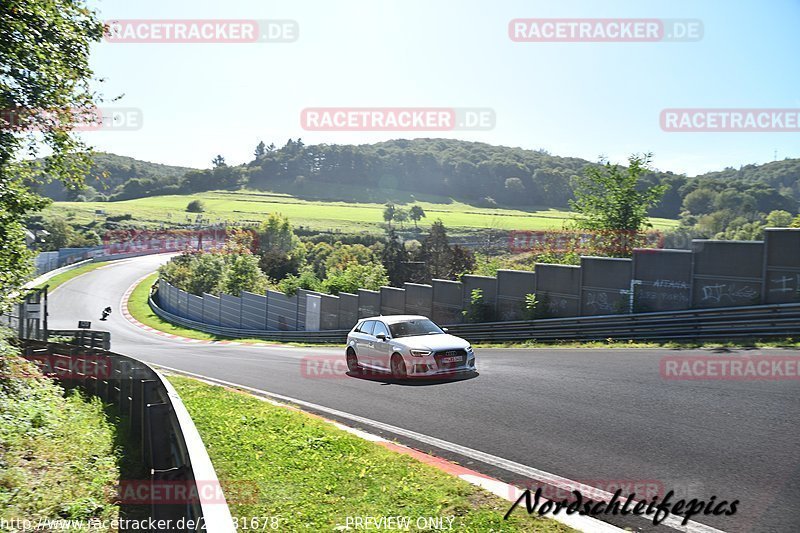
<point>393,319</point>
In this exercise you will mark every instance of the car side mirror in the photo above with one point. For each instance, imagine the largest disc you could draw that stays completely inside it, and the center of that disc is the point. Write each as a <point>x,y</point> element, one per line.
<point>381,336</point>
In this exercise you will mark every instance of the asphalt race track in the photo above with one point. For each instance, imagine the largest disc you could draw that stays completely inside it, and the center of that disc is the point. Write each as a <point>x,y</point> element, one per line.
<point>590,415</point>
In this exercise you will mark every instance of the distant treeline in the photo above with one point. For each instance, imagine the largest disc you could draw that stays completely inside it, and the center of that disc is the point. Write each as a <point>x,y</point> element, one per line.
<point>477,173</point>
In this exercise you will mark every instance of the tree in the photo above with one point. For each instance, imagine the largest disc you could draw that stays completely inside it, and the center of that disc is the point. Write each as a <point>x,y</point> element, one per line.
<point>371,276</point>
<point>260,150</point>
<point>242,274</point>
<point>44,85</point>
<point>779,219</point>
<point>401,215</point>
<point>280,251</point>
<point>195,206</point>
<point>416,213</point>
<point>395,259</point>
<point>700,201</point>
<point>514,186</point>
<point>218,161</point>
<point>388,213</point>
<point>436,251</point>
<point>609,199</point>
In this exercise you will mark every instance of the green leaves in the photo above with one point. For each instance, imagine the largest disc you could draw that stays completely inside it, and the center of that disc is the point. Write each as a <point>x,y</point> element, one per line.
<point>44,77</point>
<point>613,199</point>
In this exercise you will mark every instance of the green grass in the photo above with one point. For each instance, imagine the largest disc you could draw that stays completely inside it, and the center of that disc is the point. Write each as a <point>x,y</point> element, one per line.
<point>64,277</point>
<point>310,475</point>
<point>344,216</point>
<point>48,468</point>
<point>140,310</point>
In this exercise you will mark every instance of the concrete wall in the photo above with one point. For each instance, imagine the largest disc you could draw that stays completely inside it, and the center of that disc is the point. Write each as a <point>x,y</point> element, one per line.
<point>348,310</point>
<point>727,273</point>
<point>447,302</point>
<point>419,299</point>
<point>488,287</point>
<point>254,311</point>
<point>558,289</point>
<point>230,314</point>
<point>662,280</point>
<point>369,303</point>
<point>329,312</point>
<point>782,266</point>
<point>281,312</point>
<point>605,285</point>
<point>211,309</point>
<point>393,301</point>
<point>512,287</point>
<point>712,274</point>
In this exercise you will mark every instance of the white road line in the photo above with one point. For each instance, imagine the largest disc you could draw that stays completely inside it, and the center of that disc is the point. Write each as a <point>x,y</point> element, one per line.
<point>533,473</point>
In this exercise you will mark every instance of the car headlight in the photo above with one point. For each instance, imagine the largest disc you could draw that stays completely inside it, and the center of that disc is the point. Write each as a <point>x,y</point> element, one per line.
<point>420,353</point>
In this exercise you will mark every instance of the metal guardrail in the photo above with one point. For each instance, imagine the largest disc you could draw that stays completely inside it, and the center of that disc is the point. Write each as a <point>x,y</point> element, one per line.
<point>88,338</point>
<point>171,447</point>
<point>762,321</point>
<point>780,320</point>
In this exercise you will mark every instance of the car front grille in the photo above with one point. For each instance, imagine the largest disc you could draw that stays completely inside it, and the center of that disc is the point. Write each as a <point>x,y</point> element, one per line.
<point>450,353</point>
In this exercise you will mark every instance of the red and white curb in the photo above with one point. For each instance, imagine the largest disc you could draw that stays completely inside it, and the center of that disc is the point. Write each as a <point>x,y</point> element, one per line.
<point>123,308</point>
<point>499,488</point>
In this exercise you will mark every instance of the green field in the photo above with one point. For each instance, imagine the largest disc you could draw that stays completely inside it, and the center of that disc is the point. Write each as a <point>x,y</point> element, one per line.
<point>348,217</point>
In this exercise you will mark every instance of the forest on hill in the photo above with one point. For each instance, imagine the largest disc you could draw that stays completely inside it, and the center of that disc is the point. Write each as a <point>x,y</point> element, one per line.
<point>477,173</point>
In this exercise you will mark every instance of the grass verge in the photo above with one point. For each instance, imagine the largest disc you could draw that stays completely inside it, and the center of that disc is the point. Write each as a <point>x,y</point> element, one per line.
<point>311,475</point>
<point>64,277</point>
<point>58,458</point>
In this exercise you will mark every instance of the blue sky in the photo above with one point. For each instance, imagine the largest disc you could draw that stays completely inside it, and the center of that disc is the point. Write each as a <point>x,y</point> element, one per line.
<point>572,99</point>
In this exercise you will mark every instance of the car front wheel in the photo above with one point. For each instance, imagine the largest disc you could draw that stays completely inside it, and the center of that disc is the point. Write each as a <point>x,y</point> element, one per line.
<point>398,366</point>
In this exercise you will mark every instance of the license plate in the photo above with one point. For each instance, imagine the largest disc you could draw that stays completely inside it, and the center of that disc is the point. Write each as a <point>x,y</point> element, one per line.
<point>456,359</point>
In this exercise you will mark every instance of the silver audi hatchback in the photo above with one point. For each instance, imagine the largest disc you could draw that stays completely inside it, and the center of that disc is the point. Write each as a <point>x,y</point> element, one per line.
<point>406,346</point>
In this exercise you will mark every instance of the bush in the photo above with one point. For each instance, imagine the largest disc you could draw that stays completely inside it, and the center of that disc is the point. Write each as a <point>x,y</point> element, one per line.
<point>477,310</point>
<point>195,206</point>
<point>530,306</point>
<point>371,276</point>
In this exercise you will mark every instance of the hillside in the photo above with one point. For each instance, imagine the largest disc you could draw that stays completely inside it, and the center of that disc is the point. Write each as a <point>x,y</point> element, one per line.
<point>113,174</point>
<point>479,174</point>
<point>326,216</point>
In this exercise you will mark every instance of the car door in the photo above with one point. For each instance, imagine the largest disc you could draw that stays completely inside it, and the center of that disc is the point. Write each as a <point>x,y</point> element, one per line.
<point>365,343</point>
<point>382,348</point>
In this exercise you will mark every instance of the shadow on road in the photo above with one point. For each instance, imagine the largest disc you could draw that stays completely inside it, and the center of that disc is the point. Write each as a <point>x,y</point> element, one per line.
<point>386,379</point>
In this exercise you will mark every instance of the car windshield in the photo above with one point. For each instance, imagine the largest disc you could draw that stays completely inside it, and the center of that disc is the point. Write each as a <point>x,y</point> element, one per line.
<point>410,328</point>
